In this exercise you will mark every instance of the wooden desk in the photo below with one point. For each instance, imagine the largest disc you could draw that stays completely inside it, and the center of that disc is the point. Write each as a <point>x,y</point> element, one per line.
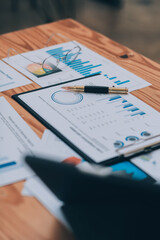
<point>23,218</point>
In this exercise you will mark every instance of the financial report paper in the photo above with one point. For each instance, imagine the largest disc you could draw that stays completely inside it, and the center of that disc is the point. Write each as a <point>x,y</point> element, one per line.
<point>96,124</point>
<point>16,140</point>
<point>58,150</point>
<point>10,78</point>
<point>150,163</point>
<point>87,63</point>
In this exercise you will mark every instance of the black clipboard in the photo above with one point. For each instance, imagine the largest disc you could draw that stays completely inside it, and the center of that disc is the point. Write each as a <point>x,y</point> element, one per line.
<point>118,158</point>
<point>52,129</point>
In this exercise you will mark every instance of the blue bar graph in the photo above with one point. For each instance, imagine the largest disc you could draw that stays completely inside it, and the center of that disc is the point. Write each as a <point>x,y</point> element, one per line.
<point>127,105</point>
<point>124,106</point>
<point>84,68</point>
<point>114,98</point>
<point>133,109</point>
<point>139,113</point>
<point>117,82</point>
<point>123,82</point>
<point>112,78</point>
<point>4,165</point>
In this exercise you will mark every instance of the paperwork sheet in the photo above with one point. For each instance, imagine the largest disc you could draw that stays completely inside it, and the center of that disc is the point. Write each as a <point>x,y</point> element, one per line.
<point>10,78</point>
<point>16,139</point>
<point>57,148</point>
<point>95,124</point>
<point>86,64</point>
<point>150,163</point>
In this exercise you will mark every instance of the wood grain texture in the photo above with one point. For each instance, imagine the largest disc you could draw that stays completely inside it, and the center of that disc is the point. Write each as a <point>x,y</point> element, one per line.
<point>23,217</point>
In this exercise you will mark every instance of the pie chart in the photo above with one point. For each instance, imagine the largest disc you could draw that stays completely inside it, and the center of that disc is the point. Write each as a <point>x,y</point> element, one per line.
<point>66,98</point>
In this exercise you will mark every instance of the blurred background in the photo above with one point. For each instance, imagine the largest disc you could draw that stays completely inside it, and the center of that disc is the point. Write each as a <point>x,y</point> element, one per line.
<point>134,23</point>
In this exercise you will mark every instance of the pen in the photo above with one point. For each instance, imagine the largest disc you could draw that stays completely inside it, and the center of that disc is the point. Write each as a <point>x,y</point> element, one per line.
<point>97,89</point>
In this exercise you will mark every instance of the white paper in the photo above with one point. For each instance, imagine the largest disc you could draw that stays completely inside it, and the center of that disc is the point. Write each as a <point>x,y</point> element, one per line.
<point>58,150</point>
<point>25,192</point>
<point>150,163</point>
<point>38,189</point>
<point>97,124</point>
<point>10,78</point>
<point>86,64</point>
<point>57,147</point>
<point>16,140</point>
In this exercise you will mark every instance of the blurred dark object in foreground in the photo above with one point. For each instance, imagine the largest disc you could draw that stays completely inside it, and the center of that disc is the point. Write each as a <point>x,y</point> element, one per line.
<point>102,207</point>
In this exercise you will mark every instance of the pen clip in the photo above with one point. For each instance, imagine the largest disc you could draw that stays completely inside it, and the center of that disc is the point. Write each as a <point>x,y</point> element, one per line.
<point>139,147</point>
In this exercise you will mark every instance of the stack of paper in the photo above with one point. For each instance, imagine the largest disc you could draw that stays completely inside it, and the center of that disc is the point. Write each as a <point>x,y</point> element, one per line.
<point>16,140</point>
<point>10,78</point>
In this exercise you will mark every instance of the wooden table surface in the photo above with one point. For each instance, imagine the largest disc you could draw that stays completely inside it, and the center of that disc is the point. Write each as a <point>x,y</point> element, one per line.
<point>24,218</point>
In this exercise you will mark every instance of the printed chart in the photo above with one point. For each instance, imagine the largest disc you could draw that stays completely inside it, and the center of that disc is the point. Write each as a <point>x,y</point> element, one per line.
<point>16,139</point>
<point>58,64</point>
<point>85,68</point>
<point>9,78</point>
<point>56,145</point>
<point>66,98</point>
<point>98,124</point>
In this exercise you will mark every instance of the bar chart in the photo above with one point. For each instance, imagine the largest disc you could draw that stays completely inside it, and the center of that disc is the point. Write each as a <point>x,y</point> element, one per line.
<point>116,81</point>
<point>7,164</point>
<point>80,66</point>
<point>122,106</point>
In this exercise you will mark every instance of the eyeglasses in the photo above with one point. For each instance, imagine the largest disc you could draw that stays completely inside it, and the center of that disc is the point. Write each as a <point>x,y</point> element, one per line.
<point>51,63</point>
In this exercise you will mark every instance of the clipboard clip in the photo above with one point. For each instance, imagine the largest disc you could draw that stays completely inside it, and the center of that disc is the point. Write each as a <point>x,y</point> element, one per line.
<point>139,147</point>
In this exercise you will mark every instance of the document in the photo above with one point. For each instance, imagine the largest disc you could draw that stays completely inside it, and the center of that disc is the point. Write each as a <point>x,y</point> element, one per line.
<point>56,64</point>
<point>55,148</point>
<point>150,163</point>
<point>10,78</point>
<point>16,140</point>
<point>96,125</point>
